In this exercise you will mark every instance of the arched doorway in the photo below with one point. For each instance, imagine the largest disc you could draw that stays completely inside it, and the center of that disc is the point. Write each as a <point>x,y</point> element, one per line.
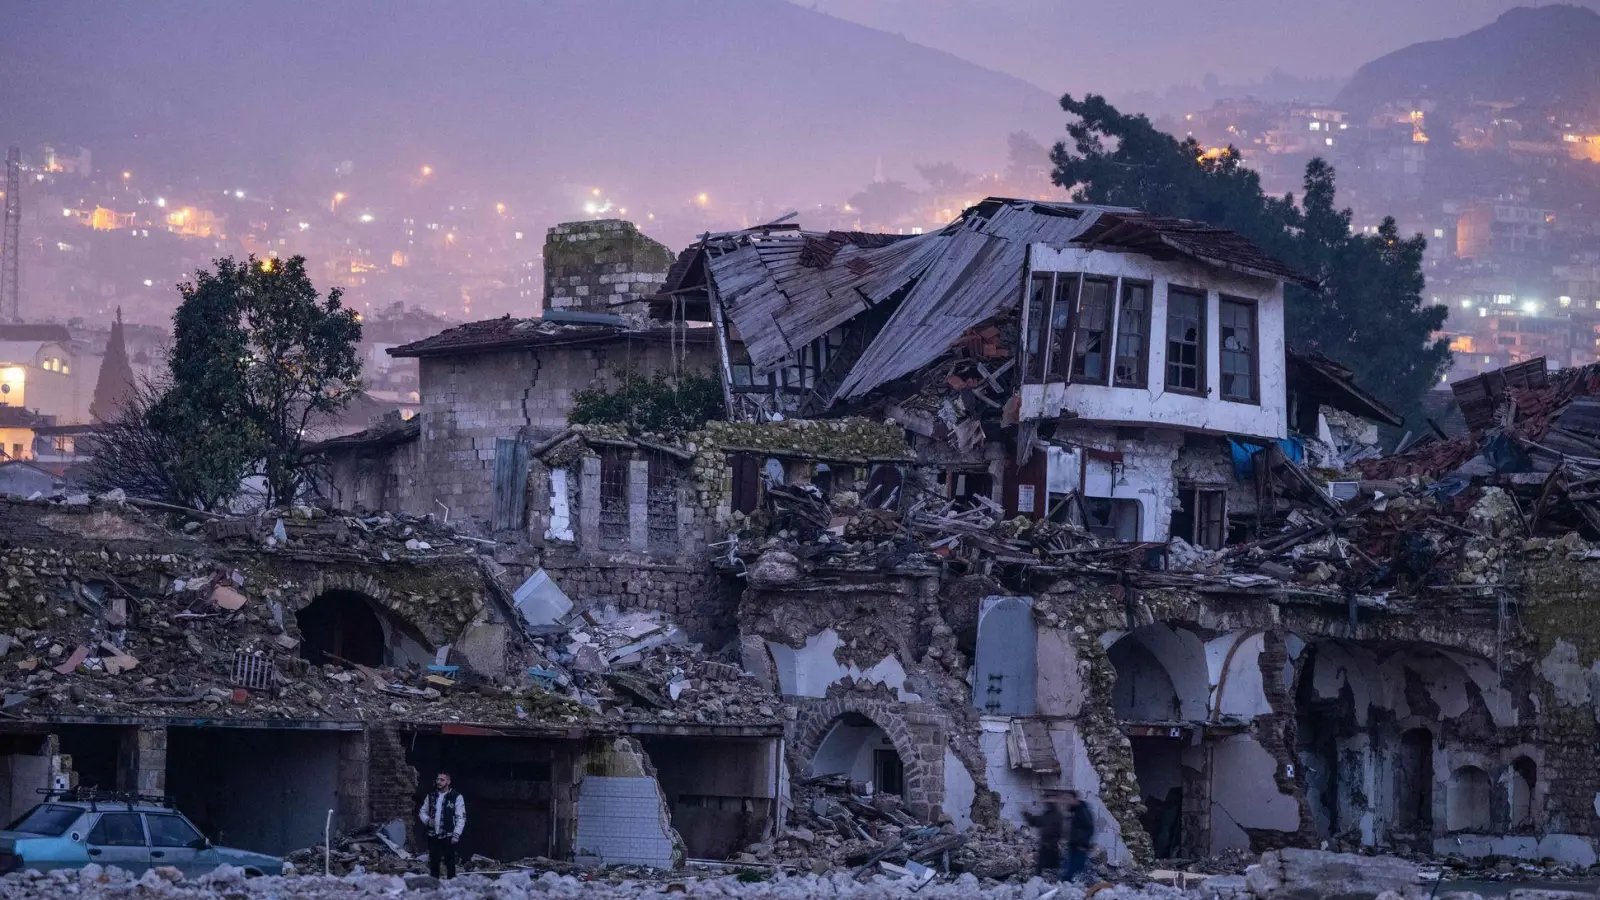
<point>1413,782</point>
<point>857,748</point>
<point>341,627</point>
<point>1524,776</point>
<point>1162,683</point>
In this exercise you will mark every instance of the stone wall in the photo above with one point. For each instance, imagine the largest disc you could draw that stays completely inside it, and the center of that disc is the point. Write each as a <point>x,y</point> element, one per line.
<point>604,266</point>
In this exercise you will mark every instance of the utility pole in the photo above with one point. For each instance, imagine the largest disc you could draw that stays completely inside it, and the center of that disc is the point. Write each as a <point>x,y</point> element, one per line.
<point>11,252</point>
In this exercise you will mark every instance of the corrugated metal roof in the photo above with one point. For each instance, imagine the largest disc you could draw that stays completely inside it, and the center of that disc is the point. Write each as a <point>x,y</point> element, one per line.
<point>509,334</point>
<point>783,290</point>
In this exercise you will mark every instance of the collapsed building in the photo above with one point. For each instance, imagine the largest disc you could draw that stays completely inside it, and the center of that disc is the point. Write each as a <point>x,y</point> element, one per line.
<point>1038,501</point>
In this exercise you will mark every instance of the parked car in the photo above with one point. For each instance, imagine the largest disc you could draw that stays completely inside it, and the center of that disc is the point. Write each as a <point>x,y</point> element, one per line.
<point>132,834</point>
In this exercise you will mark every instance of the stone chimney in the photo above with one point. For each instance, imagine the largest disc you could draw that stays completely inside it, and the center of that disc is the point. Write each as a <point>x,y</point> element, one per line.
<point>603,266</point>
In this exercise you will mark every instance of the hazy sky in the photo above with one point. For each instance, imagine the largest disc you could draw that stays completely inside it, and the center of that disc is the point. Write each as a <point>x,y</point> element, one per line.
<point>1153,44</point>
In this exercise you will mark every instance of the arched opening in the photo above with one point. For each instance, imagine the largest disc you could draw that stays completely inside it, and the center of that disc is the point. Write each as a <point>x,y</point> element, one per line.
<point>1413,782</point>
<point>1469,800</point>
<point>1144,691</point>
<point>858,749</point>
<point>341,627</point>
<point>1325,718</point>
<point>1524,776</point>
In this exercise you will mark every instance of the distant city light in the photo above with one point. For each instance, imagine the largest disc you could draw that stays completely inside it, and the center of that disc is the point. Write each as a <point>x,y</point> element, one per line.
<point>500,208</point>
<point>366,217</point>
<point>595,192</point>
<point>126,175</point>
<point>1565,301</point>
<point>66,212</point>
<point>149,282</point>
<point>426,171</point>
<point>519,235</point>
<point>161,202</point>
<point>304,225</point>
<point>591,208</point>
<point>703,199</point>
<point>1530,306</point>
<point>1466,304</point>
<point>238,194</point>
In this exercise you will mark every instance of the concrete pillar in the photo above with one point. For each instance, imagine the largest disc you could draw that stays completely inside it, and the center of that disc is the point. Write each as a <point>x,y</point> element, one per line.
<point>142,760</point>
<point>589,504</point>
<point>639,506</point>
<point>350,810</point>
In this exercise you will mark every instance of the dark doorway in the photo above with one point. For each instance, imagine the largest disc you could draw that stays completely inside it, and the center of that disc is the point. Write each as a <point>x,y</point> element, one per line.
<point>511,785</point>
<point>1413,782</point>
<point>1322,723</point>
<point>888,772</point>
<point>341,627</point>
<point>720,790</point>
<point>94,750</point>
<point>262,789</point>
<point>1158,767</point>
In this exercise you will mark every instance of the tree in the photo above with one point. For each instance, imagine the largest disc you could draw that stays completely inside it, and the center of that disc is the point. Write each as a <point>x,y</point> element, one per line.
<point>884,203</point>
<point>257,358</point>
<point>945,176</point>
<point>115,384</point>
<point>654,404</point>
<point>1370,312</point>
<point>129,452</point>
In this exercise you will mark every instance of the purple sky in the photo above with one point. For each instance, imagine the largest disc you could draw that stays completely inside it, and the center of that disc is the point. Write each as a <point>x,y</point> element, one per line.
<point>1076,45</point>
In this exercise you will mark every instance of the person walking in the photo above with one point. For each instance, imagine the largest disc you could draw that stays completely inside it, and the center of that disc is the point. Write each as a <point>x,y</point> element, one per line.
<point>1048,824</point>
<point>444,815</point>
<point>1080,836</point>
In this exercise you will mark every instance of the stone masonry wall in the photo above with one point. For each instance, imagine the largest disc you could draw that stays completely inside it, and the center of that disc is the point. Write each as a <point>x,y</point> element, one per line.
<point>606,266</point>
<point>469,402</point>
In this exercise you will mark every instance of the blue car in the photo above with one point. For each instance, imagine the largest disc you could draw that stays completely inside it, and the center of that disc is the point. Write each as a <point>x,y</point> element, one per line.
<point>132,835</point>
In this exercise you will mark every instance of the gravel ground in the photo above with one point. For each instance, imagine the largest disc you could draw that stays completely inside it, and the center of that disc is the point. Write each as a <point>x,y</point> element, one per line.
<point>93,882</point>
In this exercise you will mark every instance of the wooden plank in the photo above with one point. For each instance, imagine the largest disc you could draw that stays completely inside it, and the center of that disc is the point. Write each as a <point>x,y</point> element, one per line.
<point>510,483</point>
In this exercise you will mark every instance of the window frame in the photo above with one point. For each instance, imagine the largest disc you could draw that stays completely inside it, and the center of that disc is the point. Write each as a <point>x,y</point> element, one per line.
<point>1254,353</point>
<point>1142,370</point>
<point>1107,330</point>
<point>144,836</point>
<point>1201,346</point>
<point>1037,309</point>
<point>150,831</point>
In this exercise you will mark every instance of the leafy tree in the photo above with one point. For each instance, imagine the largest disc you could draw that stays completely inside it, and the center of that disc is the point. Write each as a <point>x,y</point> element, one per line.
<point>656,404</point>
<point>258,357</point>
<point>945,176</point>
<point>1369,314</point>
<point>884,203</point>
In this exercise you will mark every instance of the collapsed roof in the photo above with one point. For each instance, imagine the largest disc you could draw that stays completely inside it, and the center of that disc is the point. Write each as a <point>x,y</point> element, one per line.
<point>507,333</point>
<point>782,288</point>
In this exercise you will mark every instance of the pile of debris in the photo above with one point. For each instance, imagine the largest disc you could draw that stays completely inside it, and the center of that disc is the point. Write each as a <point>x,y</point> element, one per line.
<point>633,664</point>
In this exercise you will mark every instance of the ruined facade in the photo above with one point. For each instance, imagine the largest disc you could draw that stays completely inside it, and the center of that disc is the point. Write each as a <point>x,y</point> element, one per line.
<point>1037,502</point>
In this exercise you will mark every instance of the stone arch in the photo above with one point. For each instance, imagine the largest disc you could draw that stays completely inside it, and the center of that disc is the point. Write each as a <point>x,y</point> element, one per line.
<point>1522,790</point>
<point>1161,675</point>
<point>1469,801</point>
<point>331,606</point>
<point>391,603</point>
<point>918,737</point>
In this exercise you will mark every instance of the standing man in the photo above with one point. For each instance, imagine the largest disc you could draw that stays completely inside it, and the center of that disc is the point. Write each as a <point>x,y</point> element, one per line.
<point>1048,824</point>
<point>1080,836</point>
<point>443,814</point>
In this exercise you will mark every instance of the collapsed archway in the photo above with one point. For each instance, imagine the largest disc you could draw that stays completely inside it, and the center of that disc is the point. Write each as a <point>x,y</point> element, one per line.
<point>342,627</point>
<point>858,749</point>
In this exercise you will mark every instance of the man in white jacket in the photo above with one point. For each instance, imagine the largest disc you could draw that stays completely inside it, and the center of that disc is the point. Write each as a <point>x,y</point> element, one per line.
<point>443,814</point>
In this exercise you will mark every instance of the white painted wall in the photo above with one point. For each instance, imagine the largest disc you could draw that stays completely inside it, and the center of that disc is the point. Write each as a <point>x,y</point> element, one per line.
<point>959,791</point>
<point>810,670</point>
<point>1153,405</point>
<point>1244,794</point>
<point>1020,790</point>
<point>848,750</point>
<point>1237,689</point>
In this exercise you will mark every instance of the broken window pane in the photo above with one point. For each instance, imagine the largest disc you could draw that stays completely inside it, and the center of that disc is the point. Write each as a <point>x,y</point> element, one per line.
<point>1116,520</point>
<point>1038,309</point>
<point>1238,333</point>
<point>1133,335</point>
<point>613,500</point>
<point>1060,323</point>
<point>1186,332</point>
<point>1090,346</point>
<point>1202,520</point>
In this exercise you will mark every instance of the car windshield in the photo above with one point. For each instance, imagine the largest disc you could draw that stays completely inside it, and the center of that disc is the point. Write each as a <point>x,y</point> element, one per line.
<point>48,819</point>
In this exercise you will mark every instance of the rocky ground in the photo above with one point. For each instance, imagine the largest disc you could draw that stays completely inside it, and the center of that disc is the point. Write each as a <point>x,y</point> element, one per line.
<point>1280,875</point>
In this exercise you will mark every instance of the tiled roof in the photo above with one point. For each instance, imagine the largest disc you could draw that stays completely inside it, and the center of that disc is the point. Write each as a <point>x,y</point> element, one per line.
<point>509,334</point>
